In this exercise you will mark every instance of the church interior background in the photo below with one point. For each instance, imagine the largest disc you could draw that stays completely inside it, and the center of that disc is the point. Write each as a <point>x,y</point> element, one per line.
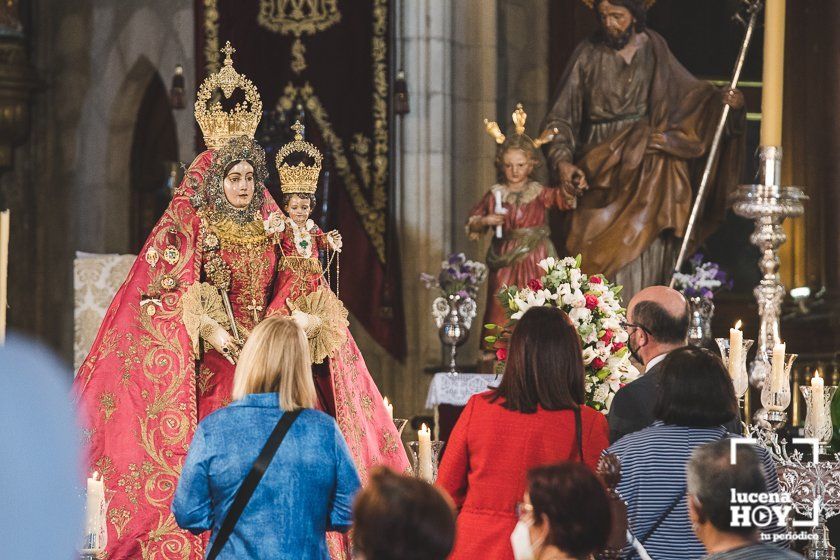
<point>91,142</point>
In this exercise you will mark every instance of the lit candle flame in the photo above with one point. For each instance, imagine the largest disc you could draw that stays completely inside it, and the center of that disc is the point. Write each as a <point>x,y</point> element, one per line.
<point>738,325</point>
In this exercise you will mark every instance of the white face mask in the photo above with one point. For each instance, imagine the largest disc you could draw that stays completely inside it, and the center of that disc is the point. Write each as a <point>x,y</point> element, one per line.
<point>520,539</point>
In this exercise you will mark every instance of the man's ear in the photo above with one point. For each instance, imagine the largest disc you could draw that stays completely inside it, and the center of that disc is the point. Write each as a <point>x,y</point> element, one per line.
<point>695,510</point>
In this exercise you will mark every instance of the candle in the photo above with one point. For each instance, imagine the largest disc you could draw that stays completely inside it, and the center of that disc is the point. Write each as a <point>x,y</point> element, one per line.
<point>95,499</point>
<point>817,404</point>
<point>4,271</point>
<point>424,454</point>
<point>773,73</point>
<point>736,342</point>
<point>389,407</point>
<point>500,209</point>
<point>777,373</point>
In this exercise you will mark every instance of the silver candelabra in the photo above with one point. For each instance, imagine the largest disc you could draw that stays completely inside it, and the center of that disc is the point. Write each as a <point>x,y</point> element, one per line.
<point>768,204</point>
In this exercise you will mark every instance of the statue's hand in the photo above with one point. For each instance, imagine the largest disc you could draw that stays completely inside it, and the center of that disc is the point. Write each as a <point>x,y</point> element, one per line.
<point>657,140</point>
<point>572,178</point>
<point>275,223</point>
<point>334,240</point>
<point>220,339</point>
<point>493,220</point>
<point>734,98</point>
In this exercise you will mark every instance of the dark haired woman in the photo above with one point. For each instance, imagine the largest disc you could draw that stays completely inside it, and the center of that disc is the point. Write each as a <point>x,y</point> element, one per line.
<point>695,398</point>
<point>565,514</point>
<point>398,517</point>
<point>535,417</point>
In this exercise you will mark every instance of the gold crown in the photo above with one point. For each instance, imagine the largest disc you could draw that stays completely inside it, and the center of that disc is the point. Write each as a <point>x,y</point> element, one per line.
<point>518,117</point>
<point>647,3</point>
<point>217,125</point>
<point>298,178</point>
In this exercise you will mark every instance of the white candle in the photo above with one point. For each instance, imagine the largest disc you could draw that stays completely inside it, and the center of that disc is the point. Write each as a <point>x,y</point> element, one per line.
<point>500,209</point>
<point>736,340</point>
<point>389,407</point>
<point>817,403</point>
<point>424,459</point>
<point>4,271</point>
<point>95,499</point>
<point>777,373</point>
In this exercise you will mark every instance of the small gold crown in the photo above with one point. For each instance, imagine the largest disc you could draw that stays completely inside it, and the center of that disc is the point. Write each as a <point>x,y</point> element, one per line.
<point>518,117</point>
<point>217,125</point>
<point>298,178</point>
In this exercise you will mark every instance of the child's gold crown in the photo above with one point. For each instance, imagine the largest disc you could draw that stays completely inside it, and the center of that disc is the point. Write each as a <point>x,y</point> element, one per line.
<point>519,116</point>
<point>298,178</point>
<point>217,125</point>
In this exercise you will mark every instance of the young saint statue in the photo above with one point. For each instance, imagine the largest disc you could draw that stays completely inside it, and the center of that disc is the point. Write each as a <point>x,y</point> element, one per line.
<point>515,211</point>
<point>344,385</point>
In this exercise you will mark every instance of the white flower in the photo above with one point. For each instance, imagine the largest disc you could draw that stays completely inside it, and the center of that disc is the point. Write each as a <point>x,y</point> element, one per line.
<point>547,264</point>
<point>601,392</point>
<point>611,323</point>
<point>588,355</point>
<point>580,315</point>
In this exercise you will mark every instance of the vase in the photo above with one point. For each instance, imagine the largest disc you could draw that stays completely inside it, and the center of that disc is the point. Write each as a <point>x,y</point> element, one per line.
<point>453,316</point>
<point>700,321</point>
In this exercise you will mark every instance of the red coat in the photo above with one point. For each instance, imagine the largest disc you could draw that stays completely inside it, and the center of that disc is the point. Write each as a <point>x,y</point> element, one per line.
<point>486,460</point>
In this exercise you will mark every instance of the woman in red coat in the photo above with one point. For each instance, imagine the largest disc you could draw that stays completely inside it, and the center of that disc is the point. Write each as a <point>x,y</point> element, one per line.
<point>535,417</point>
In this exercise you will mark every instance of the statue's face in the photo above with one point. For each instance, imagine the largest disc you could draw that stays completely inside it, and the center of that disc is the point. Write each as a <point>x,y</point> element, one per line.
<point>239,185</point>
<point>517,166</point>
<point>617,22</point>
<point>299,209</point>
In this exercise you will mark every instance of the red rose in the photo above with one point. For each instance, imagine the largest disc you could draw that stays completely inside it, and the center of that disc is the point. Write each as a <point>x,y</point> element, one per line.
<point>607,337</point>
<point>535,284</point>
<point>501,354</point>
<point>617,346</point>
<point>597,363</point>
<point>594,280</point>
<point>591,301</point>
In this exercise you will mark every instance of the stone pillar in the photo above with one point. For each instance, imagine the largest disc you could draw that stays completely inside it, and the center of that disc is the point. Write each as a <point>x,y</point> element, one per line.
<point>443,164</point>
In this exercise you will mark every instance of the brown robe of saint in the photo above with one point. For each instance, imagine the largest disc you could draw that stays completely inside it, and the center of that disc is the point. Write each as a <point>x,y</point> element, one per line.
<point>606,111</point>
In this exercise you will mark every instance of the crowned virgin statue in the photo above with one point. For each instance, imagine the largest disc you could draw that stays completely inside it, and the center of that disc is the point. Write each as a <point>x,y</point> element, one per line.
<point>165,355</point>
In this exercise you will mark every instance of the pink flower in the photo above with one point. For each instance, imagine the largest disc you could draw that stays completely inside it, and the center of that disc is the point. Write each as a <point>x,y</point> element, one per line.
<point>535,284</point>
<point>594,280</point>
<point>501,354</point>
<point>597,363</point>
<point>617,346</point>
<point>608,335</point>
<point>591,301</point>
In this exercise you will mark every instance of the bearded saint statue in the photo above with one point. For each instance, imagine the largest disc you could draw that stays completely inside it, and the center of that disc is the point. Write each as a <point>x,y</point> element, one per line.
<point>633,130</point>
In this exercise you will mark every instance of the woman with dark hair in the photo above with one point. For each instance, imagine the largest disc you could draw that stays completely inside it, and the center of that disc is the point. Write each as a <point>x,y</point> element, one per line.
<point>535,417</point>
<point>398,517</point>
<point>695,398</point>
<point>565,514</point>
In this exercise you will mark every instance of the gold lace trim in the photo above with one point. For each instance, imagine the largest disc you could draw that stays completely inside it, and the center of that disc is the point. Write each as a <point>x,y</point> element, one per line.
<point>249,233</point>
<point>301,265</point>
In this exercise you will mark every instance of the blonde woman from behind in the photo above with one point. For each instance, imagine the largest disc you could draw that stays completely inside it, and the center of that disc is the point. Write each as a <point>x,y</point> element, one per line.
<point>310,483</point>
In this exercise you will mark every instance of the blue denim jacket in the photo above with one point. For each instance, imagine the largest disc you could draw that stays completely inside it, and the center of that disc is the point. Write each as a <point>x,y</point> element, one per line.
<point>308,488</point>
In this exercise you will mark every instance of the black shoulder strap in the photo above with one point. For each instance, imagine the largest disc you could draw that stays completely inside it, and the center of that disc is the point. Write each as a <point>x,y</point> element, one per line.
<point>243,495</point>
<point>578,433</point>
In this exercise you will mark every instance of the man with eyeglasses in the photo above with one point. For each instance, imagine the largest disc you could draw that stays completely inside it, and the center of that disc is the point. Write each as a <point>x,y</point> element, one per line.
<point>657,322</point>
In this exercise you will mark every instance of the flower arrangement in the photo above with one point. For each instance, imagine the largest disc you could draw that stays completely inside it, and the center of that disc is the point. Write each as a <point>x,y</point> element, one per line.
<point>458,276</point>
<point>593,306</point>
<point>703,279</point>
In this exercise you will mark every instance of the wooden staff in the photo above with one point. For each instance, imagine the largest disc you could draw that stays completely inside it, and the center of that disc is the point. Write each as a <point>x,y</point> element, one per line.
<point>753,8</point>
